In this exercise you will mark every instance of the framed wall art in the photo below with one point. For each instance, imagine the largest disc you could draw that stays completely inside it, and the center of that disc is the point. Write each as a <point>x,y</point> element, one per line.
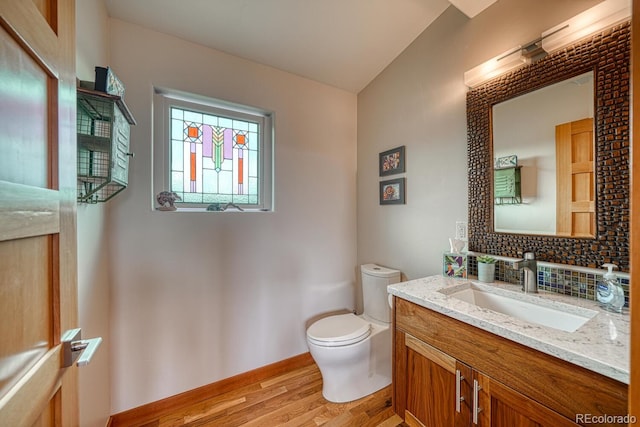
<point>506,162</point>
<point>391,161</point>
<point>392,192</point>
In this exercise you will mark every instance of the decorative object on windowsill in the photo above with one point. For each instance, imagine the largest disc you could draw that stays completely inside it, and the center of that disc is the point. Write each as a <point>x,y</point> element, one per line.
<point>486,268</point>
<point>217,207</point>
<point>166,200</point>
<point>454,265</point>
<point>392,192</point>
<point>232,205</point>
<point>391,162</point>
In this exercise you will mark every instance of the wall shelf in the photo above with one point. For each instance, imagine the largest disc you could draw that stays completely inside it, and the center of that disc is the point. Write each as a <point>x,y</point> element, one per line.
<point>103,129</point>
<point>506,186</point>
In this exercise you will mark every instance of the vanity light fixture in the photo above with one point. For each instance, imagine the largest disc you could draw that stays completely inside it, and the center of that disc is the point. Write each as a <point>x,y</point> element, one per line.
<point>506,61</point>
<point>598,18</point>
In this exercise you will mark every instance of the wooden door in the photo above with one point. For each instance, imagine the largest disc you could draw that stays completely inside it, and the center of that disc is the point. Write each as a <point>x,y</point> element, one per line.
<point>432,382</point>
<point>634,238</point>
<point>501,406</point>
<point>38,296</point>
<point>575,179</point>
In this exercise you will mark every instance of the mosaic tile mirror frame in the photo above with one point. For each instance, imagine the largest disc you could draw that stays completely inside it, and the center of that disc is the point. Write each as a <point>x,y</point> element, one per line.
<point>608,55</point>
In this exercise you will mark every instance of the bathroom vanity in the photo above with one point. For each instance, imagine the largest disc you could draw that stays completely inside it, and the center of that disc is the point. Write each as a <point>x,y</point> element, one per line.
<point>459,364</point>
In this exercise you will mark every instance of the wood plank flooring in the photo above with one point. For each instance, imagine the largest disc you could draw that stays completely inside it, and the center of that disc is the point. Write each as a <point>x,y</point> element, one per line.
<point>291,399</point>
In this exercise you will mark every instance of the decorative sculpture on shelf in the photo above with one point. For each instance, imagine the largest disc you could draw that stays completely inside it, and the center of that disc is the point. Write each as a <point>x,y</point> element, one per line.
<point>166,200</point>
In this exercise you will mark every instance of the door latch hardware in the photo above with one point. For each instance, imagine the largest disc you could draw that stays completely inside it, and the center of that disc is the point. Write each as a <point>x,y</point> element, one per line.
<point>76,349</point>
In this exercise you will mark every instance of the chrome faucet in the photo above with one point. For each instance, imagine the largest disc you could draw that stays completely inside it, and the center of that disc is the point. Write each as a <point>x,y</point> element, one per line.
<point>530,268</point>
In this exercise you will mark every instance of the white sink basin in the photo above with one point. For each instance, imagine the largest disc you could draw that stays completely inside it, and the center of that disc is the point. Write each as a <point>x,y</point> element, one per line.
<point>530,308</point>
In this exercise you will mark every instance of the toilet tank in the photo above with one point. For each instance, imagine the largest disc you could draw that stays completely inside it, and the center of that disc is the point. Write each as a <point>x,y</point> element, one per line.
<point>375,280</point>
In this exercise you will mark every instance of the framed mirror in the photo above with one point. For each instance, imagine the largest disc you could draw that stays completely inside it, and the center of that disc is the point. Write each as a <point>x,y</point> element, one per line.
<point>533,136</point>
<point>607,56</point>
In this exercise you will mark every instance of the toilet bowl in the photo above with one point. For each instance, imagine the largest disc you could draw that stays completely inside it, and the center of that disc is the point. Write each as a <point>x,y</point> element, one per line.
<point>353,352</point>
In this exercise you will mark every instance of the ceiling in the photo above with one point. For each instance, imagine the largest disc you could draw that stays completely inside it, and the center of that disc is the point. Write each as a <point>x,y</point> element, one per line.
<point>342,43</point>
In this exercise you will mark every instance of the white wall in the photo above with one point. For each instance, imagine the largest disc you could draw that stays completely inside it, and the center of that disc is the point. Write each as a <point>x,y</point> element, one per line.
<point>93,263</point>
<point>197,297</point>
<point>420,101</point>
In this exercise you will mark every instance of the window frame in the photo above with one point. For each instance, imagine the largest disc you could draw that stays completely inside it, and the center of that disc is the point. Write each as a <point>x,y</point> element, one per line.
<point>165,99</point>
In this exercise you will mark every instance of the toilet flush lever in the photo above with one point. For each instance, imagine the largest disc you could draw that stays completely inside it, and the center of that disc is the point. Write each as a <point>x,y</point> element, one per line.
<point>76,349</point>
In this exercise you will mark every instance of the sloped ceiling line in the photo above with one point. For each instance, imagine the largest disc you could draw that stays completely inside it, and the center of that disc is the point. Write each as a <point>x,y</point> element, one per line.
<point>342,43</point>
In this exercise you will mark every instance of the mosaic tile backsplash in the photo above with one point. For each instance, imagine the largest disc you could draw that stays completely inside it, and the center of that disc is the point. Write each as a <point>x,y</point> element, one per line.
<point>555,278</point>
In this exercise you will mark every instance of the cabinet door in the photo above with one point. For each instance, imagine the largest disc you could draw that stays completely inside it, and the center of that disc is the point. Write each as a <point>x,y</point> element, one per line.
<point>501,406</point>
<point>120,149</point>
<point>438,392</point>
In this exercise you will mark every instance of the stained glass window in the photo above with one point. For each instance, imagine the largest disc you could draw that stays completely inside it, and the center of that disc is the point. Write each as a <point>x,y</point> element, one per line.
<point>214,159</point>
<point>212,152</point>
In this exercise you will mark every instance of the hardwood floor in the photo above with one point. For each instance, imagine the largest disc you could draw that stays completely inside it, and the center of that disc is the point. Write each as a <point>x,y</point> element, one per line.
<point>291,399</point>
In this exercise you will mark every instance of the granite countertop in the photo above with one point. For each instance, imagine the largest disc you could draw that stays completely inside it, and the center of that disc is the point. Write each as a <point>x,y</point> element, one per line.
<point>600,345</point>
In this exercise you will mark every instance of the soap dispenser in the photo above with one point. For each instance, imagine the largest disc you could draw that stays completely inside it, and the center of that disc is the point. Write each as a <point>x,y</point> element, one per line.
<point>610,293</point>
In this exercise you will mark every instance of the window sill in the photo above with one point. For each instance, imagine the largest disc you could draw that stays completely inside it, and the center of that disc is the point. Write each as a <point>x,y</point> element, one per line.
<point>204,210</point>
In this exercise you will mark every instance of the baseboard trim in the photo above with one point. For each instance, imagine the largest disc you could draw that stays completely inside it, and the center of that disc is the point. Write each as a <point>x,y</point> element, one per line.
<point>153,410</point>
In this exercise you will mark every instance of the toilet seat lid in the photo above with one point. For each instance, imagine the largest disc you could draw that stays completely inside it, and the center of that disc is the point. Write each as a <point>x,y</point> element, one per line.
<point>341,329</point>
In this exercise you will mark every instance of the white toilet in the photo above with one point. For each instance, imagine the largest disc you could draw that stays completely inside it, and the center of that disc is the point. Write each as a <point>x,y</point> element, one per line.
<point>354,352</point>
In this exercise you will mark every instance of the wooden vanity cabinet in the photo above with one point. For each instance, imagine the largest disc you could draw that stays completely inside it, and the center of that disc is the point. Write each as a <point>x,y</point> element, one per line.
<point>433,382</point>
<point>437,359</point>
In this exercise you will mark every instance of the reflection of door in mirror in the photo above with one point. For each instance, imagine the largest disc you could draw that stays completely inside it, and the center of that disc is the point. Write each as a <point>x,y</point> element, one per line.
<point>525,126</point>
<point>575,205</point>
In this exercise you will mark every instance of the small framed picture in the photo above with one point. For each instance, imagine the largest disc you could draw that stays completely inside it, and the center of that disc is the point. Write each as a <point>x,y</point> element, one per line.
<point>506,162</point>
<point>392,192</point>
<point>392,161</point>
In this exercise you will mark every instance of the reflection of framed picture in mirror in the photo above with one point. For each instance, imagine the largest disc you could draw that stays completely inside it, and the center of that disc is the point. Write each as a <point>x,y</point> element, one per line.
<point>506,162</point>
<point>392,192</point>
<point>392,161</point>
